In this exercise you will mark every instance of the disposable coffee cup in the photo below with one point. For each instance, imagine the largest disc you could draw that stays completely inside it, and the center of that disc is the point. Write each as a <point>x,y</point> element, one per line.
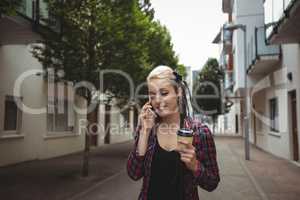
<point>184,135</point>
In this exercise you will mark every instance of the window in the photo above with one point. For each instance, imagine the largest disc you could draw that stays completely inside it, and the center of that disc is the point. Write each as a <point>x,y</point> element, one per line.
<point>60,113</point>
<point>274,125</point>
<point>12,114</point>
<point>25,8</point>
<point>58,121</point>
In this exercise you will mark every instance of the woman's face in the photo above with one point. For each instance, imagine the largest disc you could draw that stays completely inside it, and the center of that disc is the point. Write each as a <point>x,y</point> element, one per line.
<point>163,97</point>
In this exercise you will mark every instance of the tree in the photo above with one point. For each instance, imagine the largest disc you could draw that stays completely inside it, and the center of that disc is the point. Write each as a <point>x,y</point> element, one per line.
<point>146,7</point>
<point>160,46</point>
<point>93,35</point>
<point>208,87</point>
<point>99,34</point>
<point>9,7</point>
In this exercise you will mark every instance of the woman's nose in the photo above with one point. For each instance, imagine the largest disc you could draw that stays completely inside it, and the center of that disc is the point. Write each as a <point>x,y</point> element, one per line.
<point>157,99</point>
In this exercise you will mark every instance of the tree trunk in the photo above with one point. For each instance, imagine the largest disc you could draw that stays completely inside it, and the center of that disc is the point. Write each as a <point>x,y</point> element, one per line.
<point>91,64</point>
<point>107,124</point>
<point>86,154</point>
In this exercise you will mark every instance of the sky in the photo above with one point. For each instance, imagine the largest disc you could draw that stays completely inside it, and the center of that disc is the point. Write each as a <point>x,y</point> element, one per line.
<point>193,24</point>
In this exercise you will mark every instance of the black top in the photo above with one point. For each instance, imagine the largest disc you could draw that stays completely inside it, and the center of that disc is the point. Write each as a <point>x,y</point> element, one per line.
<point>166,180</point>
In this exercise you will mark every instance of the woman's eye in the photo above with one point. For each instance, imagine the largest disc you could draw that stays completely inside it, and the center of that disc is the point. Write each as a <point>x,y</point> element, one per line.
<point>164,93</point>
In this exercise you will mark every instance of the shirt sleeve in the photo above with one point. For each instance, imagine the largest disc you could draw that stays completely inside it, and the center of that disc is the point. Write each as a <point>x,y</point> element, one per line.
<point>207,173</point>
<point>135,162</point>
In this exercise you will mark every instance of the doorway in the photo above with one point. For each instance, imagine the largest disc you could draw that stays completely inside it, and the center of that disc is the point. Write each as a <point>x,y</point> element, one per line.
<point>293,117</point>
<point>236,124</point>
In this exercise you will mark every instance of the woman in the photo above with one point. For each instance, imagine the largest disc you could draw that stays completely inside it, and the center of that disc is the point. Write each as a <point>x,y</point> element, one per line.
<point>171,170</point>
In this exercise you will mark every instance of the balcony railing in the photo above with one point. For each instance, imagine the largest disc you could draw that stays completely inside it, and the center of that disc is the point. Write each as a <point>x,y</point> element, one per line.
<point>262,49</point>
<point>227,40</point>
<point>261,56</point>
<point>282,19</point>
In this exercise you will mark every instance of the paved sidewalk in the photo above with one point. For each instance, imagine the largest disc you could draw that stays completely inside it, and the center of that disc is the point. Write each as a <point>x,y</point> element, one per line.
<point>235,182</point>
<point>265,177</point>
<point>239,179</point>
<point>279,179</point>
<point>59,178</point>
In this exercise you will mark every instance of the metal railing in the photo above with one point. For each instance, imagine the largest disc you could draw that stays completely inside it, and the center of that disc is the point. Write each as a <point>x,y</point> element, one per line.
<point>275,11</point>
<point>258,47</point>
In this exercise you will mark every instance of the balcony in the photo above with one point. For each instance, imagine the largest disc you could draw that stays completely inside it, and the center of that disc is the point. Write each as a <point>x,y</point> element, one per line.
<point>283,21</point>
<point>227,6</point>
<point>224,40</point>
<point>262,58</point>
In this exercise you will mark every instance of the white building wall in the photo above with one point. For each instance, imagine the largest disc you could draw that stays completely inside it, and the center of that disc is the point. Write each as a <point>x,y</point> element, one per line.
<point>280,143</point>
<point>276,143</point>
<point>226,123</point>
<point>33,140</point>
<point>249,13</point>
<point>119,132</point>
<point>120,125</point>
<point>291,60</point>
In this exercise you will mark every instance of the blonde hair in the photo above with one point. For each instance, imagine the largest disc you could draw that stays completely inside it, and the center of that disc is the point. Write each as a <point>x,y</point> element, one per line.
<point>165,72</point>
<point>161,72</point>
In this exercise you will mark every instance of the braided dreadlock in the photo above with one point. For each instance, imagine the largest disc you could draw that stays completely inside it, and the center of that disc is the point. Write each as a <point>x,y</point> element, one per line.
<point>184,104</point>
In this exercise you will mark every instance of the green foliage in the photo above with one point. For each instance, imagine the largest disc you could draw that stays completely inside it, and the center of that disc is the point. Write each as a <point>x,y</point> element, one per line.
<point>181,70</point>
<point>209,83</point>
<point>9,7</point>
<point>104,34</point>
<point>160,46</point>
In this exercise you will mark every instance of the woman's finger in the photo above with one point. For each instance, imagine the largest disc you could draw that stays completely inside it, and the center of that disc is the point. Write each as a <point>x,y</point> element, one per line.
<point>183,142</point>
<point>190,146</point>
<point>187,156</point>
<point>146,105</point>
<point>187,151</point>
<point>186,160</point>
<point>186,146</point>
<point>192,153</point>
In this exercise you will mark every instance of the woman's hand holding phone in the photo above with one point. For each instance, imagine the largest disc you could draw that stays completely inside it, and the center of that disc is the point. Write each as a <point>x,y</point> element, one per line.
<point>147,121</point>
<point>147,117</point>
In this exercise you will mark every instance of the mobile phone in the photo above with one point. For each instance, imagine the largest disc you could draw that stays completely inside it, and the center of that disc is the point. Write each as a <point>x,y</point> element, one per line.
<point>157,118</point>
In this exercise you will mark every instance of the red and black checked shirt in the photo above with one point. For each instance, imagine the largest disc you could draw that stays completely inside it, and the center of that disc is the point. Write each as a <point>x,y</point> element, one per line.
<point>206,176</point>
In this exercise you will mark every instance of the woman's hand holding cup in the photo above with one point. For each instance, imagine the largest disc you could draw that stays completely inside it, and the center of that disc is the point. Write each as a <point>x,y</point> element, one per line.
<point>185,148</point>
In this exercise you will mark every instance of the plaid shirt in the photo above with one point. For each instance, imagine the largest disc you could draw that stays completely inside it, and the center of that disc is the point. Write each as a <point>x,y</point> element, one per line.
<point>206,176</point>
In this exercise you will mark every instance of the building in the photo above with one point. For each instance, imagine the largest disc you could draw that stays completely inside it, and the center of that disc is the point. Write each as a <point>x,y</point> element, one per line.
<point>282,103</point>
<point>32,133</point>
<point>43,120</point>
<point>189,77</point>
<point>272,68</point>
<point>227,122</point>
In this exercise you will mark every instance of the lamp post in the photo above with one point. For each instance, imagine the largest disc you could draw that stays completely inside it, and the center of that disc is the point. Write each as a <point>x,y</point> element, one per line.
<point>233,27</point>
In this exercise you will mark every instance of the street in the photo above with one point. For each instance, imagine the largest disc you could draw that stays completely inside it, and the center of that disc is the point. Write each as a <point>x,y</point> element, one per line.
<point>265,177</point>
<point>77,78</point>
